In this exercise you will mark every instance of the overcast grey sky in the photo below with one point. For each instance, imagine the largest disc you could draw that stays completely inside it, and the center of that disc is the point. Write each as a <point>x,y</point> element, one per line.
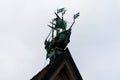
<point>95,39</point>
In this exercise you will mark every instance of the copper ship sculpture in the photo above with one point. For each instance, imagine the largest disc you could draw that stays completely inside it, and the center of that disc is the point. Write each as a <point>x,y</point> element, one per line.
<point>59,36</point>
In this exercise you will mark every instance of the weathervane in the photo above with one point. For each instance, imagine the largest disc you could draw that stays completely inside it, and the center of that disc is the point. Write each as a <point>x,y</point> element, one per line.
<point>59,36</point>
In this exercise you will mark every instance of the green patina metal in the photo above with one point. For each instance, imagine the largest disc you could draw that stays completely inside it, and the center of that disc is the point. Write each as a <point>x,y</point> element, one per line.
<point>59,37</point>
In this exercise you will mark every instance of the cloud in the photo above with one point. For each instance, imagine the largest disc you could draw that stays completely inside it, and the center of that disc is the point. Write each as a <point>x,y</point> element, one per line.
<point>94,42</point>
